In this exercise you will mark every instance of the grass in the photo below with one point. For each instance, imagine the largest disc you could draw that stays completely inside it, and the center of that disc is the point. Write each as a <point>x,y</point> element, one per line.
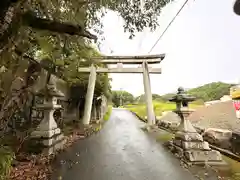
<point>165,136</point>
<point>106,117</point>
<point>6,158</point>
<point>159,107</point>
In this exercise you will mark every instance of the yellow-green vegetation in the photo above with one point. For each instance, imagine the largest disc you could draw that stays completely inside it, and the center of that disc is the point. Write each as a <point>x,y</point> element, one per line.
<point>159,107</point>
<point>97,127</point>
<point>108,113</point>
<point>6,158</point>
<point>165,136</point>
<point>234,168</point>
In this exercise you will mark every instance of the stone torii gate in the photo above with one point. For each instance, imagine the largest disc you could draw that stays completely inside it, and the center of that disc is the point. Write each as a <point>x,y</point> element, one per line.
<point>120,60</point>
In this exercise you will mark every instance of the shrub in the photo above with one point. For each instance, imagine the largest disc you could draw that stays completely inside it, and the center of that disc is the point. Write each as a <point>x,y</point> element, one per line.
<point>108,113</point>
<point>6,158</point>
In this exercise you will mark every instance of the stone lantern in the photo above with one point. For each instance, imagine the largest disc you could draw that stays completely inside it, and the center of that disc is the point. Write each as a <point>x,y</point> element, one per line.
<point>188,143</point>
<point>47,136</point>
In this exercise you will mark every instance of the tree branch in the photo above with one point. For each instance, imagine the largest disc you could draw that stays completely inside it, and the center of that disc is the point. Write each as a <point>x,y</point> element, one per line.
<point>54,26</point>
<point>10,21</point>
<point>42,65</point>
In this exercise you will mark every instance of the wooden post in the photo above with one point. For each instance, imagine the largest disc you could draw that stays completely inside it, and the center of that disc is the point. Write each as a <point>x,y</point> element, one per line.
<point>148,95</point>
<point>89,95</point>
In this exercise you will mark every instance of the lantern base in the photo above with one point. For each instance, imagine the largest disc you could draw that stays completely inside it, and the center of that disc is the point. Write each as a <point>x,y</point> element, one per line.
<point>188,136</point>
<point>203,156</point>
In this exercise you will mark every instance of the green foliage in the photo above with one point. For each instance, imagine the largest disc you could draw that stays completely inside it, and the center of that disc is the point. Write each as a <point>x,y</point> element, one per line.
<point>166,97</point>
<point>108,113</point>
<point>6,158</point>
<point>207,92</point>
<point>212,91</point>
<point>140,99</point>
<point>64,53</point>
<point>68,52</point>
<point>165,136</point>
<point>85,14</point>
<point>137,16</point>
<point>157,97</point>
<point>139,109</point>
<point>124,96</point>
<point>198,102</point>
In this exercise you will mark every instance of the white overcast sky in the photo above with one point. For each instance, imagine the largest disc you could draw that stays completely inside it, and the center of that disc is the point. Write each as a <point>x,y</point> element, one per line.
<point>201,46</point>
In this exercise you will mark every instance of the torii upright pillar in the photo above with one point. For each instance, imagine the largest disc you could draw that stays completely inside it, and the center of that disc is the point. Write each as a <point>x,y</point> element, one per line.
<point>89,95</point>
<point>148,95</point>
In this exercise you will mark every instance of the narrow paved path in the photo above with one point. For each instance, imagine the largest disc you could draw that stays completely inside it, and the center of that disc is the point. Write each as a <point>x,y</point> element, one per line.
<point>120,151</point>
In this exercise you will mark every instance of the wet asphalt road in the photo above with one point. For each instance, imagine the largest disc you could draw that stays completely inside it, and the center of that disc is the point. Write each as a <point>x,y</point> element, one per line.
<point>120,151</point>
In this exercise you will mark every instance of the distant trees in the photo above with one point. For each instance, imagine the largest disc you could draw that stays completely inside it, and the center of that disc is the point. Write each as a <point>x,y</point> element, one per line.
<point>207,92</point>
<point>211,91</point>
<point>121,97</point>
<point>155,97</point>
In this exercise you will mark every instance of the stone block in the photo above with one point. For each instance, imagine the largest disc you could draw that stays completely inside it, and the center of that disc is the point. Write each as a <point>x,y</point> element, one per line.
<point>177,142</point>
<point>174,125</point>
<point>46,146</point>
<point>219,137</point>
<point>188,136</point>
<point>53,140</point>
<point>203,156</point>
<point>45,134</point>
<point>176,149</point>
<point>200,145</point>
<point>52,149</point>
<point>196,145</point>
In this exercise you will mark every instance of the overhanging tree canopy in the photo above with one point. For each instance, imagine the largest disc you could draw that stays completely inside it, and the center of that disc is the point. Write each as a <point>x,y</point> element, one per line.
<point>63,24</point>
<point>80,14</point>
